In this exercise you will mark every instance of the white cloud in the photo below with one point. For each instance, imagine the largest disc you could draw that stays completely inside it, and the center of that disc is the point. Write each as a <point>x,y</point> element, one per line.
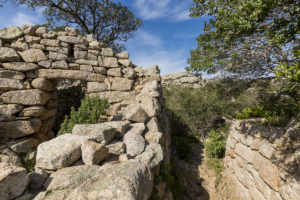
<point>154,9</point>
<point>185,35</point>
<point>20,18</point>
<point>147,39</point>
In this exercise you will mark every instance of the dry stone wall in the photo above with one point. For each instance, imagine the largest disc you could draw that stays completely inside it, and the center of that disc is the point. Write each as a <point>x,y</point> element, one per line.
<point>111,160</point>
<point>263,162</point>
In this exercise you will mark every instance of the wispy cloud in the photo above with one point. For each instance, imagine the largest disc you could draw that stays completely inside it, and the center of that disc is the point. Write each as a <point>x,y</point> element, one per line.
<point>153,9</point>
<point>185,35</point>
<point>148,39</point>
<point>20,18</point>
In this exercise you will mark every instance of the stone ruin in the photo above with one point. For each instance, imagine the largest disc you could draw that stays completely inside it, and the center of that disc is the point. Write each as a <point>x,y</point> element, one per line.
<point>263,162</point>
<point>117,159</point>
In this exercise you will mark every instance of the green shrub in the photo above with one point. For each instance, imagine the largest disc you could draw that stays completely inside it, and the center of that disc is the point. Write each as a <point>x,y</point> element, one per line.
<point>27,164</point>
<point>177,187</point>
<point>154,194</point>
<point>88,113</point>
<point>217,164</point>
<point>183,147</point>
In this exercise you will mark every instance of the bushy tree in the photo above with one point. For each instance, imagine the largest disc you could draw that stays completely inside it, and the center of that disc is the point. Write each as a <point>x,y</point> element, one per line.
<point>110,22</point>
<point>245,38</point>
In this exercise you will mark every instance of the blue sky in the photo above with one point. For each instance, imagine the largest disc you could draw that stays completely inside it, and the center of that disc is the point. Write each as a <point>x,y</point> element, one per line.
<point>166,39</point>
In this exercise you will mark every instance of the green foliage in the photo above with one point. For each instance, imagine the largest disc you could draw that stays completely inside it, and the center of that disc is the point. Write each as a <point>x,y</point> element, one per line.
<point>183,147</point>
<point>27,164</point>
<point>217,164</point>
<point>215,147</point>
<point>165,170</point>
<point>154,194</point>
<point>177,187</point>
<point>88,113</point>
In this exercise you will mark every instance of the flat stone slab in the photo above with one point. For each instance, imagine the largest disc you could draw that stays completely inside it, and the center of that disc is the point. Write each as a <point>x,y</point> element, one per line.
<point>152,156</point>
<point>11,33</point>
<point>100,133</point>
<point>33,55</point>
<point>26,97</point>
<point>121,127</point>
<point>20,66</point>
<point>8,110</point>
<point>115,96</point>
<point>18,129</point>
<point>9,55</point>
<point>11,84</point>
<point>59,152</point>
<point>12,75</point>
<point>135,143</point>
<point>68,74</point>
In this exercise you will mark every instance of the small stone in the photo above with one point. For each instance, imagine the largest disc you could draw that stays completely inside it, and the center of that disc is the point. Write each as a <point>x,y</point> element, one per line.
<point>71,31</point>
<point>20,66</point>
<point>122,84</point>
<point>57,56</point>
<point>61,50</point>
<point>33,55</point>
<point>125,62</point>
<point>33,39</point>
<point>93,153</point>
<point>8,110</point>
<point>87,68</point>
<point>74,66</point>
<point>87,62</point>
<point>116,148</point>
<point>9,156</point>
<point>11,84</point>
<point>23,145</point>
<point>137,114</point>
<point>46,64</point>
<point>72,40</point>
<point>60,65</point>
<point>129,73</point>
<point>80,54</point>
<point>108,62</point>
<point>93,87</point>
<point>19,46</point>
<point>26,97</point>
<point>12,75</point>
<point>107,52</point>
<point>37,179</point>
<point>49,42</point>
<point>114,72</point>
<point>41,31</point>
<point>124,157</point>
<point>152,156</point>
<point>135,143</point>
<point>151,70</point>
<point>137,127</point>
<point>94,52</point>
<point>157,137</point>
<point>100,70</point>
<point>29,30</point>
<point>42,84</point>
<point>8,55</point>
<point>50,35</point>
<point>123,55</point>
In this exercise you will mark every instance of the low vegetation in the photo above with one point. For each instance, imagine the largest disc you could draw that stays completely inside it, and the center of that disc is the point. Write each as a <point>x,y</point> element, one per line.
<point>27,163</point>
<point>88,113</point>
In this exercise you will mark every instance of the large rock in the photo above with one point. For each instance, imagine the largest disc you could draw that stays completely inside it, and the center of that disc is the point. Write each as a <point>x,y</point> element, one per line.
<point>29,29</point>
<point>8,110</point>
<point>87,62</point>
<point>137,127</point>
<point>19,46</point>
<point>122,84</point>
<point>123,55</point>
<point>11,33</point>
<point>129,73</point>
<point>135,143</point>
<point>26,97</point>
<point>136,114</point>
<point>116,148</point>
<point>244,177</point>
<point>54,56</point>
<point>49,42</point>
<point>23,145</point>
<point>151,106</point>
<point>101,133</point>
<point>270,174</point>
<point>9,55</point>
<point>108,62</point>
<point>121,127</point>
<point>151,70</point>
<point>72,40</point>
<point>152,156</point>
<point>245,152</point>
<point>114,72</point>
<point>12,75</point>
<point>93,87</point>
<point>13,181</point>
<point>33,55</point>
<point>42,84</point>
<point>259,131</point>
<point>20,66</point>
<point>115,96</point>
<point>18,129</point>
<point>68,74</point>
<point>10,157</point>
<point>37,179</point>
<point>266,149</point>
<point>41,30</point>
<point>32,39</point>
<point>11,84</point>
<point>125,62</point>
<point>93,153</point>
<point>129,180</point>
<point>33,111</point>
<point>59,152</point>
<point>291,189</point>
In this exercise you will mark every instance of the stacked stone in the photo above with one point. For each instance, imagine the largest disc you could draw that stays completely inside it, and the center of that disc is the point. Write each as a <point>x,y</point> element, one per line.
<point>183,79</point>
<point>263,161</point>
<point>121,157</point>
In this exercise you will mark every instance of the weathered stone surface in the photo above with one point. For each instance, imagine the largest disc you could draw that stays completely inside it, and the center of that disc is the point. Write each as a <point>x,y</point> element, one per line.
<point>49,42</point>
<point>19,46</point>
<point>8,110</point>
<point>87,68</point>
<point>74,66</point>
<point>93,87</point>
<point>9,55</point>
<point>157,137</point>
<point>123,55</point>
<point>93,153</point>
<point>116,148</point>
<point>32,39</point>
<point>125,62</point>
<point>100,70</point>
<point>266,149</point>
<point>11,33</point>
<point>270,174</point>
<point>137,127</point>
<point>244,152</point>
<point>68,74</point>
<point>42,84</point>
<point>46,64</point>
<point>17,129</point>
<point>101,133</point>
<point>23,145</point>
<point>276,135</point>
<point>71,31</point>
<point>20,66</point>
<point>152,156</point>
<point>107,52</point>
<point>255,194</point>
<point>259,131</point>
<point>54,56</point>
<point>292,128</point>
<point>136,114</point>
<point>37,46</point>
<point>151,106</point>
<point>231,142</point>
<point>73,40</point>
<point>60,65</point>
<point>37,179</point>
<point>48,114</point>
<point>151,70</point>
<point>12,75</point>
<point>291,190</point>
<point>129,73</point>
<point>255,145</point>
<point>108,62</point>
<point>61,50</point>
<point>120,126</point>
<point>47,125</point>
<point>50,35</point>
<point>124,176</point>
<point>10,157</point>
<point>40,31</point>
<point>33,111</point>
<point>287,161</point>
<point>60,152</point>
<point>135,143</point>
<point>29,29</point>
<point>115,96</point>
<point>244,177</point>
<point>26,97</point>
<point>33,55</point>
<point>80,54</point>
<point>241,191</point>
<point>13,181</point>
<point>114,72</point>
<point>87,62</point>
<point>92,56</point>
<point>95,45</point>
<point>121,84</point>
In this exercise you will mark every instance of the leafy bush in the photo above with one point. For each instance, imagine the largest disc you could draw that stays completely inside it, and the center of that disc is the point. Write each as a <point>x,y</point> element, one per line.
<point>177,187</point>
<point>217,164</point>
<point>27,164</point>
<point>215,147</point>
<point>183,147</point>
<point>88,113</point>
